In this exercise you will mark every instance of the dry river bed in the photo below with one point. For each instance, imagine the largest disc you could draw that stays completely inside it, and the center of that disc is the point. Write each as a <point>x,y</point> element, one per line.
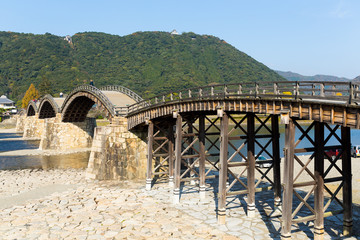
<point>62,204</point>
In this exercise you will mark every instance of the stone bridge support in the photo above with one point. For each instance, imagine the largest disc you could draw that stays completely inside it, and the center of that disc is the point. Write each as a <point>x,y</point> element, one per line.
<point>117,153</point>
<point>20,121</point>
<point>33,127</point>
<point>59,135</point>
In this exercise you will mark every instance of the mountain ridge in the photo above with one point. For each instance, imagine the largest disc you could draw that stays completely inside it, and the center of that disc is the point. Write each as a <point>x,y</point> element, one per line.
<point>148,63</point>
<point>292,76</point>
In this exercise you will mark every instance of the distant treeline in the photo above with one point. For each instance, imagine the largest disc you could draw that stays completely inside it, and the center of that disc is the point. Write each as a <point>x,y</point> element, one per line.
<point>147,62</point>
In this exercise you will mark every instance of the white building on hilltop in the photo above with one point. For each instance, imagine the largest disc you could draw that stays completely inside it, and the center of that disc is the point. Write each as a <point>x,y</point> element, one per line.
<point>68,39</point>
<point>174,32</point>
<point>6,103</point>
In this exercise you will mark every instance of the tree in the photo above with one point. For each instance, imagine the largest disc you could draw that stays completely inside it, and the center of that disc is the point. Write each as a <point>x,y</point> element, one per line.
<point>45,86</point>
<point>30,94</point>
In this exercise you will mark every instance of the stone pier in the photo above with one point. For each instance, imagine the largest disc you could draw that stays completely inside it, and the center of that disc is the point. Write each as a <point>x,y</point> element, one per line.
<point>59,135</point>
<point>117,153</point>
<point>20,122</point>
<point>33,127</point>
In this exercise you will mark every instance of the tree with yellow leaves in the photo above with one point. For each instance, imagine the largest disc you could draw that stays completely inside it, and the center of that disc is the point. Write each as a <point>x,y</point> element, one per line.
<point>30,94</point>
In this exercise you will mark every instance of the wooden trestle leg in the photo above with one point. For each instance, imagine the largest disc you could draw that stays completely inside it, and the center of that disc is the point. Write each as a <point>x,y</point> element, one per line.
<point>171,155</point>
<point>223,168</point>
<point>347,176</point>
<point>190,161</point>
<point>150,155</point>
<point>276,160</point>
<point>178,145</point>
<point>251,165</point>
<point>319,179</point>
<point>288,180</point>
<point>202,186</point>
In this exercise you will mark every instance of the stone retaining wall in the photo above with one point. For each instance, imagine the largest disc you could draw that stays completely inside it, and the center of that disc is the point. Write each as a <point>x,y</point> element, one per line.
<point>116,153</point>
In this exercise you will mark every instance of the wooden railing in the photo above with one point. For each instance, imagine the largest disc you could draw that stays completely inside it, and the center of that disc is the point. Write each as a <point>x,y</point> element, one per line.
<point>315,91</point>
<point>122,111</point>
<point>338,92</point>
<point>123,90</point>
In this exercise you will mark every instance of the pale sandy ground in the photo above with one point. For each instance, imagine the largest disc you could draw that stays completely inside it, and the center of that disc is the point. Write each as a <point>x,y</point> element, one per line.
<point>32,152</point>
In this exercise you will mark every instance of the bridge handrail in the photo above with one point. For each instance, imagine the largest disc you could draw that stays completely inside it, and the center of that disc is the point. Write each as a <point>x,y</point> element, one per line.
<point>123,90</point>
<point>345,92</point>
<point>91,89</point>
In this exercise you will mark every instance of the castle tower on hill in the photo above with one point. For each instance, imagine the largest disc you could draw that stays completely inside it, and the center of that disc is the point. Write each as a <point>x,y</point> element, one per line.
<point>174,32</point>
<point>68,39</point>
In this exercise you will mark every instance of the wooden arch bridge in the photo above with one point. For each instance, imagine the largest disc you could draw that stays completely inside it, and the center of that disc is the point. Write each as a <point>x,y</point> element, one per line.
<point>221,132</point>
<point>74,108</point>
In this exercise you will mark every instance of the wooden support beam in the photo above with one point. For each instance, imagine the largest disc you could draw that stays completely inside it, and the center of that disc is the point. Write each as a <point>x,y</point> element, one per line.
<point>251,166</point>
<point>171,154</point>
<point>276,159</point>
<point>202,149</point>
<point>319,178</point>
<point>224,130</point>
<point>288,180</point>
<point>150,155</point>
<point>178,145</point>
<point>347,174</point>
<point>190,138</point>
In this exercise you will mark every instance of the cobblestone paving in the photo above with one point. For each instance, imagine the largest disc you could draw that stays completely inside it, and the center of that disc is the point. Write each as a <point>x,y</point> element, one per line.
<point>125,210</point>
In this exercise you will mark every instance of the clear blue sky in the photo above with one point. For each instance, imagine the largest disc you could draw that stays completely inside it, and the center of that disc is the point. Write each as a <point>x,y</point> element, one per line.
<point>305,36</point>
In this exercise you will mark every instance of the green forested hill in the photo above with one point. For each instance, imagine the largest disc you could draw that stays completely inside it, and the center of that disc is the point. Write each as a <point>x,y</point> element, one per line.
<point>146,62</point>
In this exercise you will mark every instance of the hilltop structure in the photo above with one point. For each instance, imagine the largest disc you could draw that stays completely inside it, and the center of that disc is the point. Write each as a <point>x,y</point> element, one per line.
<point>174,32</point>
<point>68,39</point>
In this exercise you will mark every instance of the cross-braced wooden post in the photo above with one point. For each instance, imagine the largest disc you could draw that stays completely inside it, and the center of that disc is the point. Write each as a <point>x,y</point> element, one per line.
<point>288,179</point>
<point>319,179</point>
<point>150,155</point>
<point>190,140</point>
<point>251,165</point>
<point>223,171</point>
<point>202,173</point>
<point>171,154</point>
<point>347,176</point>
<point>160,155</point>
<point>276,160</point>
<point>178,148</point>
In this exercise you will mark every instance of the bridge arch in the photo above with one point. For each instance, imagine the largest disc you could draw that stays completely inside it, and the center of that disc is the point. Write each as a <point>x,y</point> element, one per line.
<point>48,108</point>
<point>79,102</point>
<point>31,109</point>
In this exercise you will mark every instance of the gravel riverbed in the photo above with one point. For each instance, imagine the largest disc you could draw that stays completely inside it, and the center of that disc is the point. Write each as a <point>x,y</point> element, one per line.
<point>62,204</point>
